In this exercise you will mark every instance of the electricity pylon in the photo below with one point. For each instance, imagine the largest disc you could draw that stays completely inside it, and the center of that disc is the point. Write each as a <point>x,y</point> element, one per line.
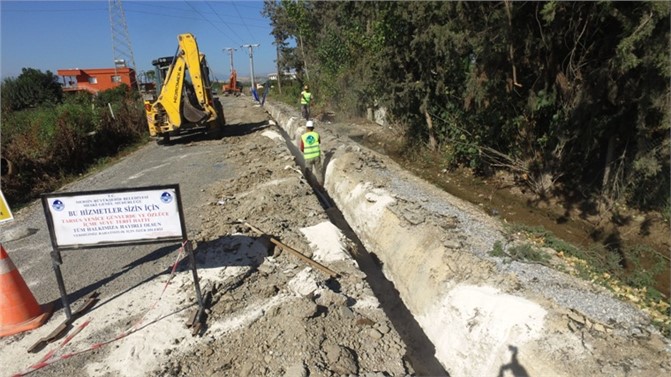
<point>121,47</point>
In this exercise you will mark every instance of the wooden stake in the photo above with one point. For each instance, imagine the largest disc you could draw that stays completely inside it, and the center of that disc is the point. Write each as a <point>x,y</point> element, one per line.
<point>295,252</point>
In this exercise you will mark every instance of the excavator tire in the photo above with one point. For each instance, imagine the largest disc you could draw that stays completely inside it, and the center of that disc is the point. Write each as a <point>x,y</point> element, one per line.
<point>221,118</point>
<point>218,129</point>
<point>6,167</point>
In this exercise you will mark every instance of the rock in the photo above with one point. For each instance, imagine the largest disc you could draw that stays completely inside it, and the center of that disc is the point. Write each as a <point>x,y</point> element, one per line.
<point>413,218</point>
<point>599,327</point>
<point>373,333</point>
<point>266,268</point>
<point>296,370</point>
<point>340,359</point>
<point>246,369</point>
<point>576,318</point>
<point>268,291</point>
<point>452,244</point>
<point>303,309</point>
<point>383,328</point>
<point>303,284</point>
<point>330,298</point>
<point>346,312</point>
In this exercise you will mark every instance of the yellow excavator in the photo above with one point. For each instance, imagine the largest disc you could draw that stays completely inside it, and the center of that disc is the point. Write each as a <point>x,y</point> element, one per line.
<point>185,101</point>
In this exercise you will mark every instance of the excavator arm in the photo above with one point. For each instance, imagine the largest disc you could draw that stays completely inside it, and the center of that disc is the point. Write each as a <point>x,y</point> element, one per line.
<point>186,98</point>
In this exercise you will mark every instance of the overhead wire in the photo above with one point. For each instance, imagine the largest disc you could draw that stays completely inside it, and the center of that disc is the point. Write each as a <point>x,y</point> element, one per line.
<point>224,22</point>
<point>132,7</point>
<point>240,17</point>
<point>208,21</point>
<point>161,14</point>
<point>4,10</point>
<point>181,16</point>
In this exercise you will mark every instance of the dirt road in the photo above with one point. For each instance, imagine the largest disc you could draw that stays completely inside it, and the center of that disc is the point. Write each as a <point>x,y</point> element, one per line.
<point>272,313</point>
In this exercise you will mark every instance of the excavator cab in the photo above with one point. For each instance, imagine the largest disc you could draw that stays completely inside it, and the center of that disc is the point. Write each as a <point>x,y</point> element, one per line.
<point>161,67</point>
<point>185,100</point>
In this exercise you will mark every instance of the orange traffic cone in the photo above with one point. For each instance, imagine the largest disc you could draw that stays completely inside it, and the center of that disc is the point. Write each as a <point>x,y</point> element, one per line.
<point>19,310</point>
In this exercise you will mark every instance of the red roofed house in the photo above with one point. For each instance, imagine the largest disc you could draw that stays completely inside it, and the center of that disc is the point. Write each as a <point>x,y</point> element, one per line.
<point>95,80</point>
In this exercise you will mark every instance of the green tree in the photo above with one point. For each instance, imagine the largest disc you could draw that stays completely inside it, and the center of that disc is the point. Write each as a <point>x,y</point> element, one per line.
<point>31,89</point>
<point>572,97</point>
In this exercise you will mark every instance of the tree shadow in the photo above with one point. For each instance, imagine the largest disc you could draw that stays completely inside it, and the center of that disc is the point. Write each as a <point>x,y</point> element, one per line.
<point>73,297</point>
<point>237,250</point>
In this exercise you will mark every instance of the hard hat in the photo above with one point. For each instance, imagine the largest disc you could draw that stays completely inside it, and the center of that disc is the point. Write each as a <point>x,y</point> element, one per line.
<point>310,124</point>
<point>305,87</point>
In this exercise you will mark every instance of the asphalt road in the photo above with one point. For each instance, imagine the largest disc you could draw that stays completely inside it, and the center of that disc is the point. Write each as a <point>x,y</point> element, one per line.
<point>192,162</point>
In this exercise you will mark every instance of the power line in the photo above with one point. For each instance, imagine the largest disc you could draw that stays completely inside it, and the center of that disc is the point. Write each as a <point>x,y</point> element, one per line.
<point>163,15</point>
<point>51,10</point>
<point>128,9</point>
<point>183,17</point>
<point>240,16</point>
<point>152,5</point>
<point>204,18</point>
<point>224,22</point>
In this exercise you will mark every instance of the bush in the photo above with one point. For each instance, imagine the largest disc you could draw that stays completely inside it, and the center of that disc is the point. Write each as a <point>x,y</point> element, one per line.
<point>31,89</point>
<point>49,144</point>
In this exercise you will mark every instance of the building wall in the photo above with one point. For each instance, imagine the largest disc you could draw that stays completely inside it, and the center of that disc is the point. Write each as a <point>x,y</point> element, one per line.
<point>95,80</point>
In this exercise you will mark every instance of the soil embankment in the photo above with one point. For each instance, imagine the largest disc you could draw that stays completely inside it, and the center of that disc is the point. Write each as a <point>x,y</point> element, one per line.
<point>483,314</point>
<point>272,314</point>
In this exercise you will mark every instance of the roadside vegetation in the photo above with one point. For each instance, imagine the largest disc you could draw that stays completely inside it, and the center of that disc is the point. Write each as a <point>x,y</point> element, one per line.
<point>634,283</point>
<point>570,99</point>
<point>51,137</point>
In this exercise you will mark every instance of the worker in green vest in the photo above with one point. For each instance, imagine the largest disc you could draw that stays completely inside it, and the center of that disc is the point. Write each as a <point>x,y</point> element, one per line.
<point>312,153</point>
<point>306,99</point>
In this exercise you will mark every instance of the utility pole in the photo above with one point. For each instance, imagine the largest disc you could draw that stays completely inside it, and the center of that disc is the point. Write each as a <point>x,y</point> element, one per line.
<point>251,62</point>
<point>279,73</point>
<point>230,51</point>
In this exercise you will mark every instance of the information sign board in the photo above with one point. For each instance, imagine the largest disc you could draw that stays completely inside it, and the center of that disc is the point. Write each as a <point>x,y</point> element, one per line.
<point>119,216</point>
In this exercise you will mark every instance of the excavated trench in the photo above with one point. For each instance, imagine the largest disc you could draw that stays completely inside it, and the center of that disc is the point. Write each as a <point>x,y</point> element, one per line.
<point>420,351</point>
<point>428,257</point>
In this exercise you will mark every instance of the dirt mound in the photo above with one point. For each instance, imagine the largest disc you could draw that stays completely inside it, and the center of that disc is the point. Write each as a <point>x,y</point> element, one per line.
<point>320,325</point>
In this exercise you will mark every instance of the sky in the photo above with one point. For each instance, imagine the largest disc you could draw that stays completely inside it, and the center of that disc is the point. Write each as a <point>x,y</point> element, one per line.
<point>53,35</point>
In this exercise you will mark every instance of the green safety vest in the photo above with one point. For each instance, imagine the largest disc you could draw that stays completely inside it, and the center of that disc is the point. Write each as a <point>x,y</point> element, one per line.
<point>305,98</point>
<point>311,145</point>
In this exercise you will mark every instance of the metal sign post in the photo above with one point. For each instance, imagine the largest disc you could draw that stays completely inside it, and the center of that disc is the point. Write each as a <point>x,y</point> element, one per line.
<point>118,217</point>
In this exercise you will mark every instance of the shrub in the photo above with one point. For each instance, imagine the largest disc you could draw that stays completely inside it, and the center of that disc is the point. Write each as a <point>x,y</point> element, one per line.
<point>48,144</point>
